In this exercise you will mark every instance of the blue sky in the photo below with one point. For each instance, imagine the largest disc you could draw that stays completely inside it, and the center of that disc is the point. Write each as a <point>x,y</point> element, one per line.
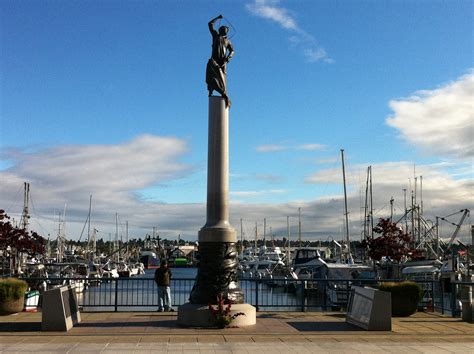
<point>90,78</point>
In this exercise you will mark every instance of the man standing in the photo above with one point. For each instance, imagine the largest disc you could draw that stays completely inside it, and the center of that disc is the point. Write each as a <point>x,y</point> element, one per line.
<point>162,279</point>
<point>222,51</point>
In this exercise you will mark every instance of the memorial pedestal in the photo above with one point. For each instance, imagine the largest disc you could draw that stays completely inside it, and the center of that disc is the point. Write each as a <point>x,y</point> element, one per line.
<point>370,309</point>
<point>59,309</point>
<point>195,315</point>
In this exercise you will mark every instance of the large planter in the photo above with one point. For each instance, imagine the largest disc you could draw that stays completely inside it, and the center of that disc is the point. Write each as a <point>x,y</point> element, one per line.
<point>12,295</point>
<point>9,307</point>
<point>405,297</point>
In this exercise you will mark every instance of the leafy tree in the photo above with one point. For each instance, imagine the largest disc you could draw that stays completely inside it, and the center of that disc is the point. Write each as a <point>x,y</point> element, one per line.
<point>18,239</point>
<point>393,242</point>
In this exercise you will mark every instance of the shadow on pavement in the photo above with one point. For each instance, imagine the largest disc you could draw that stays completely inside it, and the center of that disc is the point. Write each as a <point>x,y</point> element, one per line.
<point>167,324</point>
<point>324,326</point>
<point>20,327</point>
<point>338,315</point>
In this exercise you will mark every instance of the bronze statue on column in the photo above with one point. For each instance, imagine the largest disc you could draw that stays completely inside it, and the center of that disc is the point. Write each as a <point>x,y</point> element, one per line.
<point>222,51</point>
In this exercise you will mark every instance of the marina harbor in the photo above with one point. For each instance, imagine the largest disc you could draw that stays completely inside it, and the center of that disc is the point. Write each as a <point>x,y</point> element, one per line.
<point>245,177</point>
<point>140,293</point>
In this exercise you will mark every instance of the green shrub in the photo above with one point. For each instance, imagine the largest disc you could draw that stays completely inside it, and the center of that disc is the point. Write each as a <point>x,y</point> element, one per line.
<point>12,289</point>
<point>405,297</point>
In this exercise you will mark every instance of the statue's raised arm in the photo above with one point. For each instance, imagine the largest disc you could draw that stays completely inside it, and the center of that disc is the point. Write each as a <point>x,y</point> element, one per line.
<point>211,24</point>
<point>222,51</point>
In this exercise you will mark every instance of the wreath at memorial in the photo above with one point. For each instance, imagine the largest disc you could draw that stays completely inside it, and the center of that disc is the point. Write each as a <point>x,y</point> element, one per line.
<point>221,315</point>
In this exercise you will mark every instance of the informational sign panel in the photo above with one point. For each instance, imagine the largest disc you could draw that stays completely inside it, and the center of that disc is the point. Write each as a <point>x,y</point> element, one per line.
<point>60,311</point>
<point>370,309</point>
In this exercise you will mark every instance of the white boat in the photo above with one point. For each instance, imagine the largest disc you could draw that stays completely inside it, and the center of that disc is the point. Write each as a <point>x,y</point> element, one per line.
<point>109,271</point>
<point>32,300</point>
<point>260,268</point>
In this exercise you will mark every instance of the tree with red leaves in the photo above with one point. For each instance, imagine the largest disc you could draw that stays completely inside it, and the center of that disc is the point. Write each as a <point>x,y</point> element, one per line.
<point>393,242</point>
<point>14,240</point>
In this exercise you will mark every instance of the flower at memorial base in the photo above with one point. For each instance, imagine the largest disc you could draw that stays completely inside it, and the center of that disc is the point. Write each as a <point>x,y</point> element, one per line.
<point>221,314</point>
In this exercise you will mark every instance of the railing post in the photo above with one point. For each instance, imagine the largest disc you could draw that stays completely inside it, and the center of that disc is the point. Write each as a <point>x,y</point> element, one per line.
<point>453,299</point>
<point>116,294</point>
<point>257,281</point>
<point>442,297</point>
<point>303,286</point>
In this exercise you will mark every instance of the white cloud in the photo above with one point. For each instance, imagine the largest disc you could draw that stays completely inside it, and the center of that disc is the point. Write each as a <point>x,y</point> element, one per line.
<point>310,147</point>
<point>270,148</point>
<point>271,10</point>
<point>442,190</point>
<point>439,121</point>
<point>328,160</point>
<point>114,173</point>
<point>316,54</point>
<point>284,147</point>
<point>256,193</point>
<point>269,178</point>
<point>268,9</point>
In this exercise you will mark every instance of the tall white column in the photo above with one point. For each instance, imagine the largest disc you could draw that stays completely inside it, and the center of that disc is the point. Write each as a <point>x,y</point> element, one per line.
<point>217,227</point>
<point>217,266</point>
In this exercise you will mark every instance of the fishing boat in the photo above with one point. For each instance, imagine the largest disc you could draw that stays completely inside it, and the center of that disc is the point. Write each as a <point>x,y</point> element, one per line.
<point>149,258</point>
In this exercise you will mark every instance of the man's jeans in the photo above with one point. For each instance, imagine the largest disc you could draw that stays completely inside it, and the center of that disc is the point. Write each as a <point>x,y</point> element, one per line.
<point>164,298</point>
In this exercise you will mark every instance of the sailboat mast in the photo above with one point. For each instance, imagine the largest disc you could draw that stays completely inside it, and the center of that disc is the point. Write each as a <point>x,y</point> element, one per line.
<point>126,234</point>
<point>391,208</point>
<point>264,231</point>
<point>116,235</point>
<point>89,221</point>
<point>371,205</point>
<point>26,198</point>
<point>345,198</point>
<point>241,238</point>
<point>366,206</point>
<point>288,253</point>
<point>256,237</point>
<point>299,226</point>
<point>405,206</point>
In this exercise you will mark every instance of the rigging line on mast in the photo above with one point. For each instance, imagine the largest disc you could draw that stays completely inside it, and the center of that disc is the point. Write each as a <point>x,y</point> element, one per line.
<point>382,208</point>
<point>457,212</point>
<point>15,198</point>
<point>37,214</point>
<point>83,228</point>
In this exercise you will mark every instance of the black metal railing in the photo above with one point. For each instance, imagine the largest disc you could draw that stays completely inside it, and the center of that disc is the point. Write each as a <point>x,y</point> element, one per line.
<point>140,294</point>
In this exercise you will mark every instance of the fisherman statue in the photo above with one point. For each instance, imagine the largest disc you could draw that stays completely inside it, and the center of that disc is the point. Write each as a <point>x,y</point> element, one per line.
<point>216,278</point>
<point>222,51</point>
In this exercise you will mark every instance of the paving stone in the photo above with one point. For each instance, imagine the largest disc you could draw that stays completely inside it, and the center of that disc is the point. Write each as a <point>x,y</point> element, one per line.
<point>211,339</point>
<point>182,339</point>
<point>154,339</point>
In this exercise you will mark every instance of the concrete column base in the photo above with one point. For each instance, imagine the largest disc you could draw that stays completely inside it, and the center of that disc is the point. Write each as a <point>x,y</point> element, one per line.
<point>196,315</point>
